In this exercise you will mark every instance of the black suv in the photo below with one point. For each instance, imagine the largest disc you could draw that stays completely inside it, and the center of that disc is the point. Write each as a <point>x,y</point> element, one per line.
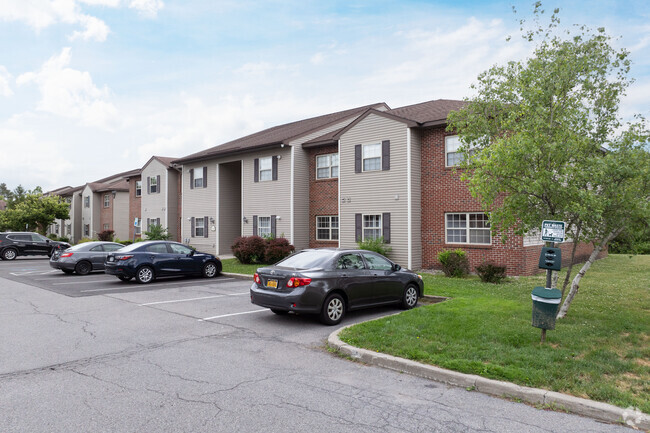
<point>14,244</point>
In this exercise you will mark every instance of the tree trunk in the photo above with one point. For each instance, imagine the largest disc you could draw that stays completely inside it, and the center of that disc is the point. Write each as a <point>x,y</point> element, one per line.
<point>576,280</point>
<point>573,255</point>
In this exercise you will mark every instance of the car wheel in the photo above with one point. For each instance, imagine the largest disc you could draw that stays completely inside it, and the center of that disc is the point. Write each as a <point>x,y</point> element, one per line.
<point>410,298</point>
<point>9,254</point>
<point>210,270</point>
<point>67,271</point>
<point>279,312</point>
<point>144,275</point>
<point>333,310</point>
<point>124,278</point>
<point>83,268</point>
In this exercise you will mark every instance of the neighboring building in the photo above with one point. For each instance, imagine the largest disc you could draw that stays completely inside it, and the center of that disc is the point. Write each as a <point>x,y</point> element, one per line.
<point>71,227</point>
<point>257,184</point>
<point>3,205</point>
<point>135,206</point>
<point>160,186</point>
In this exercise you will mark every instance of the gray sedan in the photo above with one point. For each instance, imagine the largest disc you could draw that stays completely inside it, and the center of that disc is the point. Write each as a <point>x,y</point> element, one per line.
<point>330,282</point>
<point>84,258</point>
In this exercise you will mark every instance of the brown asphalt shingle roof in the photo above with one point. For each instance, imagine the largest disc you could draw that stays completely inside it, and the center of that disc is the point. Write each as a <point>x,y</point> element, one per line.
<point>277,134</point>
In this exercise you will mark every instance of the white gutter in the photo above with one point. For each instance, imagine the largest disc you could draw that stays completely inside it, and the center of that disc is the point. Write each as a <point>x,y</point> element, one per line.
<point>291,207</point>
<point>409,226</point>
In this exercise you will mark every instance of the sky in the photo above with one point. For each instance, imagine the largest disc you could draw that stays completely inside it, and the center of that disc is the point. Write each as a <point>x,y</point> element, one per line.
<point>90,88</point>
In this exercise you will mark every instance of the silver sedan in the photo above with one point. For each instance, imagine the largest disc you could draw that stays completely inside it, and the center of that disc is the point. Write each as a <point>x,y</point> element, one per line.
<point>84,258</point>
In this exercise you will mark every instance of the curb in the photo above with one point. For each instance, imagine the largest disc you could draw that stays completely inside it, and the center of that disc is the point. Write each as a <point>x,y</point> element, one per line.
<point>580,406</point>
<point>238,276</point>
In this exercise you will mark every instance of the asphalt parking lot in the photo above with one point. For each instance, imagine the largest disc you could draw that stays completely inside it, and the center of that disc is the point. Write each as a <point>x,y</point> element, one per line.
<point>86,353</point>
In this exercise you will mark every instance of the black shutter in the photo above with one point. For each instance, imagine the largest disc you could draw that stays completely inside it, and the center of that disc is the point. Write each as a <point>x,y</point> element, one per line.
<point>205,227</point>
<point>256,170</point>
<point>254,225</point>
<point>274,168</point>
<point>205,177</point>
<point>148,185</point>
<point>273,225</point>
<point>385,155</point>
<point>357,158</point>
<point>357,227</point>
<point>157,221</point>
<point>192,227</point>
<point>148,223</point>
<point>385,222</point>
<point>191,178</point>
<point>157,184</point>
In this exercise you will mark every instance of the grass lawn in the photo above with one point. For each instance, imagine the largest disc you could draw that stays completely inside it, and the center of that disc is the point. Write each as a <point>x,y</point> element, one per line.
<point>233,265</point>
<point>601,350</point>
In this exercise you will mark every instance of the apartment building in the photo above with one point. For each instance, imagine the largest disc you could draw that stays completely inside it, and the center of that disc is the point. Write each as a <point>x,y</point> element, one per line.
<point>71,227</point>
<point>159,197</point>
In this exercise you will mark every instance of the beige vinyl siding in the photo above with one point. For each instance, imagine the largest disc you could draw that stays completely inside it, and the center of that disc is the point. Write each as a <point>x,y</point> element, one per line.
<point>416,200</point>
<point>198,203</point>
<point>75,218</point>
<point>121,215</point>
<point>375,192</point>
<point>230,218</point>
<point>172,202</point>
<point>96,204</point>
<point>301,184</point>
<point>154,205</point>
<point>266,198</point>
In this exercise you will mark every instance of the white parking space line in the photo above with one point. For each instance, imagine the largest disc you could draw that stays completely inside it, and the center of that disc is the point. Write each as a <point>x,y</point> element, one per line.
<point>104,290</point>
<point>32,272</point>
<point>193,299</point>
<point>232,314</point>
<point>80,282</point>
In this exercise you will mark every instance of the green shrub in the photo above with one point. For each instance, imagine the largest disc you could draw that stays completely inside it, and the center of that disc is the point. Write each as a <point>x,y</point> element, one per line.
<point>156,232</point>
<point>64,239</point>
<point>491,273</point>
<point>454,263</point>
<point>106,235</point>
<point>53,236</point>
<point>377,245</point>
<point>249,249</point>
<point>277,249</point>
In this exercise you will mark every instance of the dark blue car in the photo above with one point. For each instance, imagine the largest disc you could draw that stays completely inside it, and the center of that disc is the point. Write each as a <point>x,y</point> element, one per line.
<point>146,261</point>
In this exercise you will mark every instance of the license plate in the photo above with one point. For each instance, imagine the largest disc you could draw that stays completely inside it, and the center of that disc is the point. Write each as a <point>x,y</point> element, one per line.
<point>272,283</point>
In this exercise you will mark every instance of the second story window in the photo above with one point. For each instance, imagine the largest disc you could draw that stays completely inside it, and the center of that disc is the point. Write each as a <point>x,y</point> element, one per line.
<point>138,188</point>
<point>327,166</point>
<point>453,154</point>
<point>87,201</point>
<point>107,200</point>
<point>198,178</point>
<point>266,168</point>
<point>372,157</point>
<point>153,185</point>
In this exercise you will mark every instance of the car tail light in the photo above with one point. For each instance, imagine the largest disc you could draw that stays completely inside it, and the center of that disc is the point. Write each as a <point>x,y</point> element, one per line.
<point>66,255</point>
<point>296,282</point>
<point>123,257</point>
<point>257,279</point>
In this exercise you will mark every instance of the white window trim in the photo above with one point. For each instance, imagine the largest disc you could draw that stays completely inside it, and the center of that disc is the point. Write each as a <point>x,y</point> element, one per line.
<point>138,188</point>
<point>447,152</point>
<point>198,177</point>
<point>270,169</point>
<point>467,229</point>
<point>107,200</point>
<point>329,228</point>
<point>363,225</point>
<point>363,166</point>
<point>196,227</point>
<point>259,226</point>
<point>153,181</point>
<point>329,166</point>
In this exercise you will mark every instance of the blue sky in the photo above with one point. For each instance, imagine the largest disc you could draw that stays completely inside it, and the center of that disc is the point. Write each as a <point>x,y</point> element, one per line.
<point>89,88</point>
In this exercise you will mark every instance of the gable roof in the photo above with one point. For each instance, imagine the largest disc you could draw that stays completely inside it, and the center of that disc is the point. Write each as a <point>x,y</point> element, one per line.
<point>276,135</point>
<point>164,160</point>
<point>420,115</point>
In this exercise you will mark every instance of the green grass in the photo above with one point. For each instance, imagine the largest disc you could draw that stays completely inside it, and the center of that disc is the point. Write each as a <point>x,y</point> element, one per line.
<point>601,350</point>
<point>233,265</point>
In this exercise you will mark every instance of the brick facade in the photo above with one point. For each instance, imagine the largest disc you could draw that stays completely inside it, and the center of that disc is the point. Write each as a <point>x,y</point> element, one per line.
<point>323,196</point>
<point>105,213</point>
<point>443,191</point>
<point>134,205</point>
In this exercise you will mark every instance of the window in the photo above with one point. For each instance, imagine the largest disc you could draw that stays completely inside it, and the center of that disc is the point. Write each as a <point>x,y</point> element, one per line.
<point>138,227</point>
<point>327,228</point>
<point>87,201</point>
<point>87,230</point>
<point>68,229</point>
<point>371,226</point>
<point>157,248</point>
<point>376,262</point>
<point>106,227</point>
<point>153,185</point>
<point>180,249</point>
<point>266,168</point>
<point>138,188</point>
<point>453,155</point>
<point>198,178</point>
<point>467,228</point>
<point>263,226</point>
<point>327,166</point>
<point>38,238</point>
<point>97,248</point>
<point>350,261</point>
<point>152,222</point>
<point>56,228</point>
<point>107,200</point>
<point>111,247</point>
<point>199,227</point>
<point>371,157</point>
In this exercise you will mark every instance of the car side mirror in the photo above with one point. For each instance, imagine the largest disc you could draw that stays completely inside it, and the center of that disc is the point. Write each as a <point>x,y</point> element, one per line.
<point>191,253</point>
<point>396,267</point>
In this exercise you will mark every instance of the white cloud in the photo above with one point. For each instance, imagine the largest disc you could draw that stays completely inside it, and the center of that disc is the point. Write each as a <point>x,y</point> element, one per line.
<point>5,78</point>
<point>147,8</point>
<point>71,93</point>
<point>317,59</point>
<point>95,29</point>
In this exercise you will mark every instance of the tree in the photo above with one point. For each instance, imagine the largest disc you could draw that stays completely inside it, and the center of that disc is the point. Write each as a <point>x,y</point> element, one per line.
<point>34,211</point>
<point>156,232</point>
<point>543,140</point>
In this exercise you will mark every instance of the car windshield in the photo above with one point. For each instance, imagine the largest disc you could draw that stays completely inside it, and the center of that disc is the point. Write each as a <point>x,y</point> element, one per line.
<point>307,259</point>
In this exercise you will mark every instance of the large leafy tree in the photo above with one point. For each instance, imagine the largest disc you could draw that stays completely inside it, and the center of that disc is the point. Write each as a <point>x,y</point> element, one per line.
<point>33,211</point>
<point>548,143</point>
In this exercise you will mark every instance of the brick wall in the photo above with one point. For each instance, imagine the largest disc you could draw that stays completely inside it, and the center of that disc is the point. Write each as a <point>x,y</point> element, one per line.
<point>443,191</point>
<point>323,196</point>
<point>105,213</point>
<point>134,205</point>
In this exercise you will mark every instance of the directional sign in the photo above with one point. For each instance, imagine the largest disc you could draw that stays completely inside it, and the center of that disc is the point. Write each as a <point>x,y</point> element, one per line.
<point>553,231</point>
<point>135,222</point>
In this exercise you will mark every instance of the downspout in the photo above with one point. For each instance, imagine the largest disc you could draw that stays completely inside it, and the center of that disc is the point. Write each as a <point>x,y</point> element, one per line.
<point>217,220</point>
<point>291,206</point>
<point>409,226</point>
